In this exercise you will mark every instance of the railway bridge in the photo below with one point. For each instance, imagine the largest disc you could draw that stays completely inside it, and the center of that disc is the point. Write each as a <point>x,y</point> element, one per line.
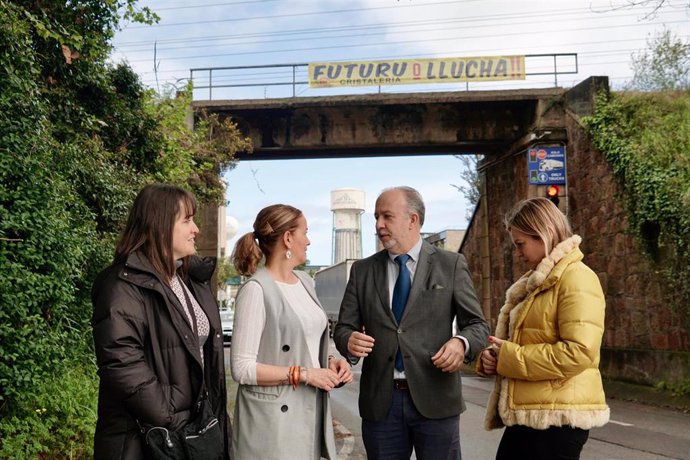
<point>506,127</point>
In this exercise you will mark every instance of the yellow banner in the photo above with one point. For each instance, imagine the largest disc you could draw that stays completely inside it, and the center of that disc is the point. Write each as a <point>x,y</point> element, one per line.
<point>412,71</point>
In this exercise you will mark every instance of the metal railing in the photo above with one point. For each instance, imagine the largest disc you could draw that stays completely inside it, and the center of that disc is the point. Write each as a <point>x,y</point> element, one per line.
<point>295,75</point>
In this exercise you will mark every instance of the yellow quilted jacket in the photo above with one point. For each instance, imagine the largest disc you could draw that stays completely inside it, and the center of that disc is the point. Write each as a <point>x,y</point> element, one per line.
<point>548,368</point>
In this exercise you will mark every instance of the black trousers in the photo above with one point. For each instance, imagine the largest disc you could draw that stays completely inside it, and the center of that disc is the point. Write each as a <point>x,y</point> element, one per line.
<point>554,443</point>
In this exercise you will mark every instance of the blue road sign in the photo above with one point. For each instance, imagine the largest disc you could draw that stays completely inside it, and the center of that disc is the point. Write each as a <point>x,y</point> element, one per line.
<point>546,165</point>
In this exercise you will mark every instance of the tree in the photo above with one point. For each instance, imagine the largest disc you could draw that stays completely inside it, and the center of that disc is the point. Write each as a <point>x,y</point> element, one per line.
<point>78,139</point>
<point>664,66</point>
<point>303,266</point>
<point>225,270</point>
<point>52,225</point>
<point>471,189</point>
<point>652,6</point>
<point>195,157</point>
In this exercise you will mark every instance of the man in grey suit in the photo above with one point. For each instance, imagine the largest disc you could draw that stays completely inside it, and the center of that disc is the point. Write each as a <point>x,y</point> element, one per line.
<point>397,313</point>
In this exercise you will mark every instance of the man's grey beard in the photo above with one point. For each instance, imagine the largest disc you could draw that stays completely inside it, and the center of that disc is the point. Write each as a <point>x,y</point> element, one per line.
<point>391,242</point>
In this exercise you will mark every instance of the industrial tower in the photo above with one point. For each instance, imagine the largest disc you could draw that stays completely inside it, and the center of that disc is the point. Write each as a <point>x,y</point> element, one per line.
<point>347,205</point>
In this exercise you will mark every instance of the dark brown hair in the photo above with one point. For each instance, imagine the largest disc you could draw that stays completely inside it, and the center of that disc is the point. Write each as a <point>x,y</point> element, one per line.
<point>270,225</point>
<point>150,224</point>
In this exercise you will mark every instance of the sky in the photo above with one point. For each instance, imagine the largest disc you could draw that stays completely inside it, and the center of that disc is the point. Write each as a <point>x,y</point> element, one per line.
<point>206,33</point>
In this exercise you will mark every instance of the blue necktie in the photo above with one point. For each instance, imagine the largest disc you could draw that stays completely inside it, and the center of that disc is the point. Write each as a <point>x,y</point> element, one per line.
<point>401,292</point>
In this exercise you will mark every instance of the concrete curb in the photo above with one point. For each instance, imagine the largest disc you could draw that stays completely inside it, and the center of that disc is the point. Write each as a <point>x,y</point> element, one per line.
<point>625,391</point>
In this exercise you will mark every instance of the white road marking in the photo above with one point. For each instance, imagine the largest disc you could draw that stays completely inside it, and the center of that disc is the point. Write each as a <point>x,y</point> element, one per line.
<point>615,422</point>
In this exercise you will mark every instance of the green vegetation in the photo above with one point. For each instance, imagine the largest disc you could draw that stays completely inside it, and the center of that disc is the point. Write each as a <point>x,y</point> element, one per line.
<point>682,389</point>
<point>646,138</point>
<point>78,138</point>
<point>225,271</point>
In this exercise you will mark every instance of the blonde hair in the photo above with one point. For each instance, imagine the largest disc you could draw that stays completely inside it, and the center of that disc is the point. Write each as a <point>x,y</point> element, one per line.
<point>269,226</point>
<point>539,218</point>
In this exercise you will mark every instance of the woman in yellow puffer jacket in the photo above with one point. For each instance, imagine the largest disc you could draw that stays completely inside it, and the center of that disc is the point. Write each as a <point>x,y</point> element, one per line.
<point>545,353</point>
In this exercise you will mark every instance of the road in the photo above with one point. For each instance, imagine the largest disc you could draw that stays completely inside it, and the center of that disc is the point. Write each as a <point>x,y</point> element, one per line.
<point>635,432</point>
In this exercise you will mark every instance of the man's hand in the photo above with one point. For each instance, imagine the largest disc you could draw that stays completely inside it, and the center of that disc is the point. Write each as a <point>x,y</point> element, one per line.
<point>450,356</point>
<point>360,345</point>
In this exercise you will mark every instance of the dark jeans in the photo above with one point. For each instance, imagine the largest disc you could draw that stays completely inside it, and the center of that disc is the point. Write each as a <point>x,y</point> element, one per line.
<point>404,428</point>
<point>554,443</point>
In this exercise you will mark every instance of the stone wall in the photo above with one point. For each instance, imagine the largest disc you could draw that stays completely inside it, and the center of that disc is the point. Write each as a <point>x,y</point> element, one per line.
<point>644,341</point>
<point>505,181</point>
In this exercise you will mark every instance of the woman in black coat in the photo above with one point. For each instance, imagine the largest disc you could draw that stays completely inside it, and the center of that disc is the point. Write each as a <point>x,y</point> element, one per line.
<point>156,327</point>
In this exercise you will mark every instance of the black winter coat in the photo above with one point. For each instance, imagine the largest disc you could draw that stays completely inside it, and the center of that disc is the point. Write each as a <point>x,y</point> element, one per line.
<point>148,355</point>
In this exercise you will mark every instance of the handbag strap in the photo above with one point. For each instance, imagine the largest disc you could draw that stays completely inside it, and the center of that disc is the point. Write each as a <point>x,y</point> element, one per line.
<point>203,394</point>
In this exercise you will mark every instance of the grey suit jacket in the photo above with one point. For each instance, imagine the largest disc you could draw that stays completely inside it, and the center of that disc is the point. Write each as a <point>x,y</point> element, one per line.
<point>442,291</point>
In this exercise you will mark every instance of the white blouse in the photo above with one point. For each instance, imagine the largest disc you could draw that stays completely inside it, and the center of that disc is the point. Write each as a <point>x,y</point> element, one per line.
<point>250,321</point>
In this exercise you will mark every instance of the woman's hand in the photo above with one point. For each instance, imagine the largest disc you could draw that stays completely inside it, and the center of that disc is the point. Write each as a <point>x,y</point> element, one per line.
<point>489,356</point>
<point>342,368</point>
<point>489,361</point>
<point>495,343</point>
<point>325,379</point>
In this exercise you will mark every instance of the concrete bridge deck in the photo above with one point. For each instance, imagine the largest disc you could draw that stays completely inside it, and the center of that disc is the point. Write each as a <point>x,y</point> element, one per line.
<point>456,122</point>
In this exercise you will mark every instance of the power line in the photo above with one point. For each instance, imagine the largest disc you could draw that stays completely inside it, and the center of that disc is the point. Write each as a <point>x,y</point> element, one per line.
<point>210,5</point>
<point>508,16</point>
<point>293,15</point>
<point>364,26</point>
<point>409,27</point>
<point>349,30</point>
<point>372,34</point>
<point>363,45</point>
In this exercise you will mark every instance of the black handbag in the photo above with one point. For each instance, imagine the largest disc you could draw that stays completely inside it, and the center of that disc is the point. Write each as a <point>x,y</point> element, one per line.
<point>200,439</point>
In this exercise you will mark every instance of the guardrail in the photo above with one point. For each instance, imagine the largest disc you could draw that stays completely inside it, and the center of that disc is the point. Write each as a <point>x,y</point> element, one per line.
<point>295,75</point>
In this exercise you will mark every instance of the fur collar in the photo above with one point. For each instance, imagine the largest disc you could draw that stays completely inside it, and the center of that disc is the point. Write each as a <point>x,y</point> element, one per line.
<point>528,282</point>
